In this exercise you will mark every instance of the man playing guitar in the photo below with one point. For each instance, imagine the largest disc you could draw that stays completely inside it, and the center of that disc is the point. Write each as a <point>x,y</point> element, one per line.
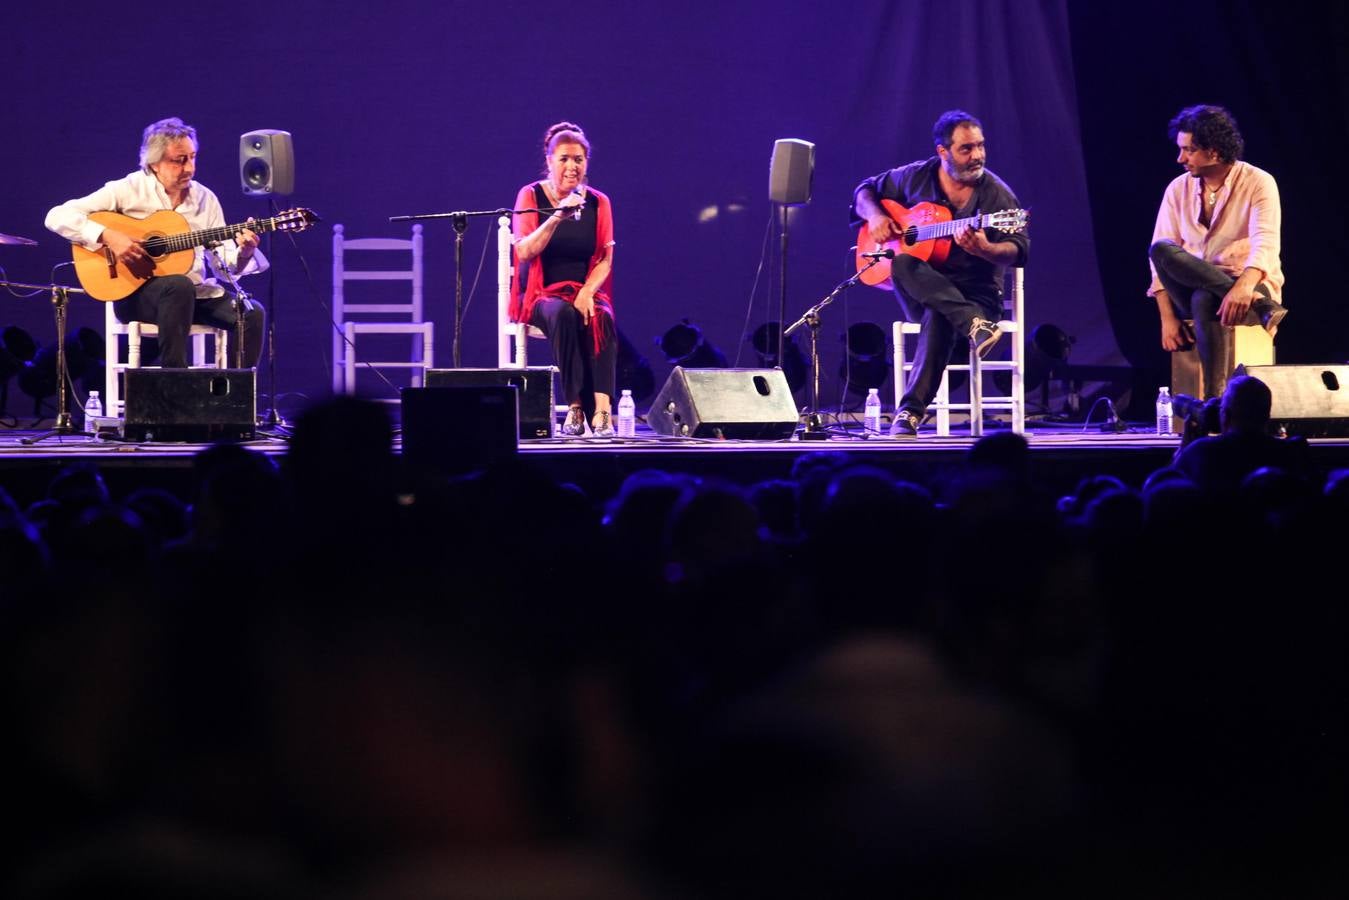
<point>168,161</point>
<point>955,292</point>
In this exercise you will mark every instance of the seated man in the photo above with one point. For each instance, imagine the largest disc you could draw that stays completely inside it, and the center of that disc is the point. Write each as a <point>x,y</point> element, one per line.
<point>1215,246</point>
<point>173,303</point>
<point>962,296</point>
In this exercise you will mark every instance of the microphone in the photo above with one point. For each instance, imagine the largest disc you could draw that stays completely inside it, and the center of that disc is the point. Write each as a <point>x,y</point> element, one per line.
<point>576,210</point>
<point>880,254</point>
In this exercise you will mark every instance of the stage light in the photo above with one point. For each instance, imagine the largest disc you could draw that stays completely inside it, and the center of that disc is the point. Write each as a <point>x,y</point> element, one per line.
<point>866,363</point>
<point>1049,349</point>
<point>94,352</point>
<point>17,349</point>
<point>684,345</point>
<point>39,379</point>
<point>794,366</point>
<point>634,371</point>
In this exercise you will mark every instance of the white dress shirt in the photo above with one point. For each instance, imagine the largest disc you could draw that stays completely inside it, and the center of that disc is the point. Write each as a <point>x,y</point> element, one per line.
<point>138,195</point>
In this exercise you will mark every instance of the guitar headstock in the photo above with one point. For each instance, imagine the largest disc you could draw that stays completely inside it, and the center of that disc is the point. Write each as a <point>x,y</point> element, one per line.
<point>297,219</point>
<point>1009,221</point>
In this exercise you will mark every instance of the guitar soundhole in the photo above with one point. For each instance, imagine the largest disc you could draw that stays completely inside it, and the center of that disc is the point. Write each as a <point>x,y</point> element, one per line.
<point>155,246</point>
<point>910,236</point>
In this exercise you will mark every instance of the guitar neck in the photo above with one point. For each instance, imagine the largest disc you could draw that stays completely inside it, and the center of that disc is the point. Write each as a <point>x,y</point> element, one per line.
<point>207,236</point>
<point>946,229</point>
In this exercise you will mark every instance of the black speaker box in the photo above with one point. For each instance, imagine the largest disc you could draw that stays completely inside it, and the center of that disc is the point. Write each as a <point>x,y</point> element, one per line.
<point>454,430</point>
<point>792,171</point>
<point>267,162</point>
<point>744,404</point>
<point>535,385</point>
<point>1312,401</point>
<point>194,405</point>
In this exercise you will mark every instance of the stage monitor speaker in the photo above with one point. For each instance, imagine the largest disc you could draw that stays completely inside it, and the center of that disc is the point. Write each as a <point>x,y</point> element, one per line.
<point>193,405</point>
<point>455,430</point>
<point>1312,401</point>
<point>744,404</point>
<point>267,162</point>
<point>535,385</point>
<point>792,171</point>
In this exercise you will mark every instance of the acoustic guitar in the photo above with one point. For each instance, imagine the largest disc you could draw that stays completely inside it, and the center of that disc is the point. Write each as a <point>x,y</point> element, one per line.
<point>928,228</point>
<point>170,246</point>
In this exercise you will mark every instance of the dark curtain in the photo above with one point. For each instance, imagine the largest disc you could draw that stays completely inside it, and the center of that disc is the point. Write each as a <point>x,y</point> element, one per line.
<point>417,107</point>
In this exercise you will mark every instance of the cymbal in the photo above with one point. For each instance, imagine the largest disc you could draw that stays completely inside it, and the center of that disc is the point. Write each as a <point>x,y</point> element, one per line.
<point>16,240</point>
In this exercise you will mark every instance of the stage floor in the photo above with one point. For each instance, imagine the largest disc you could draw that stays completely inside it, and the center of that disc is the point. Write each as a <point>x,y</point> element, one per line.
<point>1061,455</point>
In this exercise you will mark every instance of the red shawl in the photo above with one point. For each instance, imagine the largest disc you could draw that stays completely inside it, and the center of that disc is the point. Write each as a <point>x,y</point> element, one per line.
<point>528,288</point>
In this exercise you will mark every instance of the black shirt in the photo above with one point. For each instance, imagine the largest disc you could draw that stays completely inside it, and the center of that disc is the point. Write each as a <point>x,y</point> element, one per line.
<point>918,182</point>
<point>572,246</point>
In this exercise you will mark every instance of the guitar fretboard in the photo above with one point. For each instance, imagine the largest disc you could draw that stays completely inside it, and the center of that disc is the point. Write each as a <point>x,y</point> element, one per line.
<point>176,242</point>
<point>917,233</point>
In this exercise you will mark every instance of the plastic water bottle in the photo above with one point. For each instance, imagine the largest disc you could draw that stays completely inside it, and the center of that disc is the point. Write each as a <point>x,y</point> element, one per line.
<point>871,417</point>
<point>627,415</point>
<point>93,409</point>
<point>1164,411</point>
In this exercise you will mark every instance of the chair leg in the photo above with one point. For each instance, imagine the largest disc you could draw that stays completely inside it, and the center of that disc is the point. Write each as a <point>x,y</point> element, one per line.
<point>349,364</point>
<point>133,346</point>
<point>976,396</point>
<point>942,402</point>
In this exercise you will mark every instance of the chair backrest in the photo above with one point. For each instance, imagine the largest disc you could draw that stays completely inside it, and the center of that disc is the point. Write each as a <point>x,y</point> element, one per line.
<point>390,307</point>
<point>1014,295</point>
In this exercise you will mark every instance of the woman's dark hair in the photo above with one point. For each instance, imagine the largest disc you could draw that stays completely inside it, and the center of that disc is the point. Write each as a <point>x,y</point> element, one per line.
<point>564,133</point>
<point>1213,128</point>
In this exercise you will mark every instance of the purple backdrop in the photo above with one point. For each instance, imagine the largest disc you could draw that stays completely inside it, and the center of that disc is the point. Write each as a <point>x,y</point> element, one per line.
<point>416,107</point>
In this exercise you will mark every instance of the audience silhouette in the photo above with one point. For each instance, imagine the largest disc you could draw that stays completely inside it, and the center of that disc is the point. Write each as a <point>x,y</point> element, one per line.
<point>341,677</point>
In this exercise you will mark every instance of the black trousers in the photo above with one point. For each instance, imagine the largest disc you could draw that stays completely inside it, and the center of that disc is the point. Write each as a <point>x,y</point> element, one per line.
<point>1196,288</point>
<point>170,303</point>
<point>584,372</point>
<point>946,313</point>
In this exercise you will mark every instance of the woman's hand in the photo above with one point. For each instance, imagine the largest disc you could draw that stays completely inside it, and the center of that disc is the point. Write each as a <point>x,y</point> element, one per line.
<point>585,303</point>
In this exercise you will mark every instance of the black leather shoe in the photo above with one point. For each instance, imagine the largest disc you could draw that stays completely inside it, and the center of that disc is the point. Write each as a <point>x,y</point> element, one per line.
<point>904,424</point>
<point>1271,314</point>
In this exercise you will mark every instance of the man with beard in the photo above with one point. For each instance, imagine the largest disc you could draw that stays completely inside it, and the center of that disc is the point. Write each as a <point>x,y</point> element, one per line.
<point>961,296</point>
<point>1215,247</point>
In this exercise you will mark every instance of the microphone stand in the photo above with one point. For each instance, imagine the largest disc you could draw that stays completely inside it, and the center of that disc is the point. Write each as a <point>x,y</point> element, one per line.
<point>459,219</point>
<point>241,298</point>
<point>811,317</point>
<point>60,302</point>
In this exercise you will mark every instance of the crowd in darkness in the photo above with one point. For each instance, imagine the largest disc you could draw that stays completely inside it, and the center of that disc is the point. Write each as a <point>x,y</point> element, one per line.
<point>496,686</point>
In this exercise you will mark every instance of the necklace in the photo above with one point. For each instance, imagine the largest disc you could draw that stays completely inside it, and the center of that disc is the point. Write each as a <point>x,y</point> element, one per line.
<point>1212,193</point>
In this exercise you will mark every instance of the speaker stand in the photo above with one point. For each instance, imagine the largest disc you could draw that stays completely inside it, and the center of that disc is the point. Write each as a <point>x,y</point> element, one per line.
<point>460,222</point>
<point>60,300</point>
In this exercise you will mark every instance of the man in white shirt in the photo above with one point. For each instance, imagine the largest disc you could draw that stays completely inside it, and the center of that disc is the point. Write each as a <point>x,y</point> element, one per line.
<point>1215,246</point>
<point>168,161</point>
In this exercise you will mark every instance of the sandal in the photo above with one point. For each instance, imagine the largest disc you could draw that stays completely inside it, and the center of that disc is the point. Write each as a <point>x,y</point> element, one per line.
<point>600,426</point>
<point>575,425</point>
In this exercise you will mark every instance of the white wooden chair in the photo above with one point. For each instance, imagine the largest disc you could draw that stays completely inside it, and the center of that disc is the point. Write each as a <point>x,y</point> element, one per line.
<point>114,330</point>
<point>512,337</point>
<point>390,315</point>
<point>1012,325</point>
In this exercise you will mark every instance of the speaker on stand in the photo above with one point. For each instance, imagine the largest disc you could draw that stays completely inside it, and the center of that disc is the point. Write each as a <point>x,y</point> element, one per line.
<point>267,167</point>
<point>790,176</point>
